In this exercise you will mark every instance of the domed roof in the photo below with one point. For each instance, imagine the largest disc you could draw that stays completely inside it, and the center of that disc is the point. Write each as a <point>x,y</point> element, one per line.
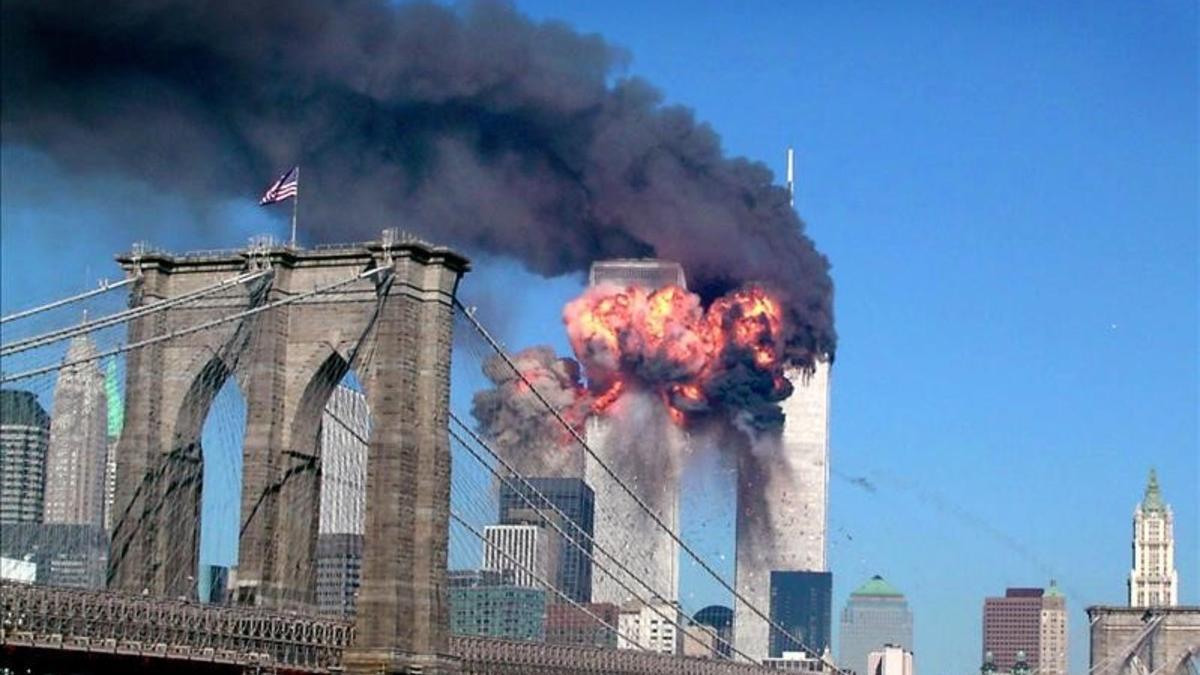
<point>878,587</point>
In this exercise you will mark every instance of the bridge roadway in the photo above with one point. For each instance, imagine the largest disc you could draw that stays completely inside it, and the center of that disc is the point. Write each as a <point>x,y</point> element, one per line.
<point>44,627</point>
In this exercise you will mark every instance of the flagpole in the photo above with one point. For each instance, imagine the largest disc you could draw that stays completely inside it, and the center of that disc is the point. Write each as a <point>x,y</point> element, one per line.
<point>295,205</point>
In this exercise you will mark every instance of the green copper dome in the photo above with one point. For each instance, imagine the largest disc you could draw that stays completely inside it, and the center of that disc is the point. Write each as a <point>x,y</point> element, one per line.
<point>1153,499</point>
<point>1053,591</point>
<point>877,586</point>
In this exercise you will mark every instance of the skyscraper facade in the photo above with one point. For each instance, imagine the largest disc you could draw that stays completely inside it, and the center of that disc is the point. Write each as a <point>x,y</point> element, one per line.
<point>1031,621</point>
<point>571,496</point>
<point>782,503</point>
<point>653,472</point>
<point>875,615</point>
<point>339,572</point>
<point>24,438</point>
<point>801,604</point>
<point>720,619</point>
<point>78,450</point>
<point>530,552</point>
<point>1153,581</point>
<point>345,428</point>
<point>116,422</point>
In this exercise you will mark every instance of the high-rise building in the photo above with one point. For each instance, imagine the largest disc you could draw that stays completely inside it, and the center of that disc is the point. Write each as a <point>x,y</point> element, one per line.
<point>1153,581</point>
<point>116,422</point>
<point>890,660</point>
<point>621,526</point>
<point>576,501</point>
<point>24,438</point>
<point>78,450</point>
<point>498,610</point>
<point>720,619</point>
<point>65,554</point>
<point>567,624</point>
<point>213,584</point>
<point>652,625</point>
<point>875,615</point>
<point>1031,621</point>
<point>529,551</point>
<point>782,503</point>
<point>339,571</point>
<point>345,428</point>
<point>801,604</point>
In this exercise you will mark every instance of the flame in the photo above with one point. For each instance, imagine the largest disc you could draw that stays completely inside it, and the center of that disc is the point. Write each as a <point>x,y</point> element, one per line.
<point>666,342</point>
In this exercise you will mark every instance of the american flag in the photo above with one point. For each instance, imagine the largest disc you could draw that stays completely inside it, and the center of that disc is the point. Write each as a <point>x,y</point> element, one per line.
<point>287,186</point>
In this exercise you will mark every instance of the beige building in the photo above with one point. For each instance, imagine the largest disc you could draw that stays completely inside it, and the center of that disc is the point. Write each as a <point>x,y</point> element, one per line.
<point>700,641</point>
<point>78,449</point>
<point>1153,581</point>
<point>649,627</point>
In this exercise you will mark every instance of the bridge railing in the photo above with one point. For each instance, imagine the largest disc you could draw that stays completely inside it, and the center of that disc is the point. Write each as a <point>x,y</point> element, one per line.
<point>41,616</point>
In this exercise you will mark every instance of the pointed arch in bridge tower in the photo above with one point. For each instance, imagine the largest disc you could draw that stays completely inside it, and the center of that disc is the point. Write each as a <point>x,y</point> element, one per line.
<point>397,323</point>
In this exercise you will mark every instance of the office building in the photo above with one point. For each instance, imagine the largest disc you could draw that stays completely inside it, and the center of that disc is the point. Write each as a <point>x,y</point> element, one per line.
<point>116,422</point>
<point>64,554</point>
<point>339,570</point>
<point>213,584</point>
<point>782,503</point>
<point>701,642</point>
<point>638,440</point>
<point>78,449</point>
<point>567,624</point>
<point>890,660</point>
<point>498,611</point>
<point>530,552</point>
<point>1153,581</point>
<point>571,496</point>
<point>24,439</point>
<point>801,604</point>
<point>1032,621</point>
<point>345,428</point>
<point>875,615</point>
<point>652,625</point>
<point>720,619</point>
<point>799,662</point>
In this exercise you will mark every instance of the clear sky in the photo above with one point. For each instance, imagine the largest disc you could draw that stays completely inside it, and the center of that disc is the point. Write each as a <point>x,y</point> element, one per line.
<point>1008,196</point>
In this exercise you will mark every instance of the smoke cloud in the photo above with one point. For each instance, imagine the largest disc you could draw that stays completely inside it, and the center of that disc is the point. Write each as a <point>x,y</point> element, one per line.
<point>516,422</point>
<point>472,126</point>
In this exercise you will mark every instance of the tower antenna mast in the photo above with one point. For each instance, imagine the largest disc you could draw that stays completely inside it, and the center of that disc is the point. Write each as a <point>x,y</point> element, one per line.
<point>791,176</point>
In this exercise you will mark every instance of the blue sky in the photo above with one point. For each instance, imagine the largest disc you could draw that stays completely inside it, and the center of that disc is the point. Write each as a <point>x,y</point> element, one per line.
<point>1008,196</point>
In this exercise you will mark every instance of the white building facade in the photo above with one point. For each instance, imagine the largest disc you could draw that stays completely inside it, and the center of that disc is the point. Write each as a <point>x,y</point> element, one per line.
<point>530,552</point>
<point>891,660</point>
<point>1153,581</point>
<point>783,500</point>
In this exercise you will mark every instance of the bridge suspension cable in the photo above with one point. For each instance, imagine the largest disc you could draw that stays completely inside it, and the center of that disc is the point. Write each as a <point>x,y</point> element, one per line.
<point>192,329</point>
<point>578,438</point>
<point>123,316</point>
<point>525,568</point>
<point>105,286</point>
<point>528,487</point>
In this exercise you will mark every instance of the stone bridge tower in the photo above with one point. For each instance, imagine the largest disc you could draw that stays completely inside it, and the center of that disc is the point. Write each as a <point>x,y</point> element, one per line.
<point>393,328</point>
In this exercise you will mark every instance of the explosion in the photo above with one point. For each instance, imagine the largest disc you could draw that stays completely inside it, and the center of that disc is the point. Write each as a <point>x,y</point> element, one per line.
<point>726,358</point>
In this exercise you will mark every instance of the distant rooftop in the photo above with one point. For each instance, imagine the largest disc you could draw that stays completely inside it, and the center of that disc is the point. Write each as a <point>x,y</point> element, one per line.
<point>878,587</point>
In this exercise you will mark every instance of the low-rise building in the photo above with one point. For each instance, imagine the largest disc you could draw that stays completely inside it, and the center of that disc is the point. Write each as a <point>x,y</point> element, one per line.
<point>567,624</point>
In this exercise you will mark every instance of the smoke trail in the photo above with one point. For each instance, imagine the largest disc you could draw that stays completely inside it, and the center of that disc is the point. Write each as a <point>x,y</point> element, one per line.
<point>474,126</point>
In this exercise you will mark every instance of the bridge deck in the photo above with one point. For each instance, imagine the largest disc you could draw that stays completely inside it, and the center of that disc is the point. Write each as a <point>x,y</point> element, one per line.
<point>36,621</point>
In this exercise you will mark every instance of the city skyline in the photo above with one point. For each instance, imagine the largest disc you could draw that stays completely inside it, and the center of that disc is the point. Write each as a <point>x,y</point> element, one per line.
<point>1010,218</point>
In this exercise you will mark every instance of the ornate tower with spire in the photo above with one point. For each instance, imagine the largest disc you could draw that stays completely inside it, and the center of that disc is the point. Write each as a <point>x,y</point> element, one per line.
<point>1153,582</point>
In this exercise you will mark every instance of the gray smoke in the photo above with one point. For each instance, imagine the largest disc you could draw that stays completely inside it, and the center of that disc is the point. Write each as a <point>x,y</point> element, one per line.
<point>473,126</point>
<point>517,424</point>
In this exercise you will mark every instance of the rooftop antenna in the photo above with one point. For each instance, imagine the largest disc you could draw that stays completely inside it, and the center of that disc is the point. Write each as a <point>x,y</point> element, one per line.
<point>791,176</point>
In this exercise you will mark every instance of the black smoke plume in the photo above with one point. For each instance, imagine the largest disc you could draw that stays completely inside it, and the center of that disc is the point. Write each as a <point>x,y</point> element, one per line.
<point>473,126</point>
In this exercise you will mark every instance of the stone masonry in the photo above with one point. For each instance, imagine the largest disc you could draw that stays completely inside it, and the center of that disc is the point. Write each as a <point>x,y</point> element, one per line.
<point>394,329</point>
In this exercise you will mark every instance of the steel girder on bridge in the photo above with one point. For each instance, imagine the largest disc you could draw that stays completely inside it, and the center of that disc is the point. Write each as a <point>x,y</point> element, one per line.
<point>43,625</point>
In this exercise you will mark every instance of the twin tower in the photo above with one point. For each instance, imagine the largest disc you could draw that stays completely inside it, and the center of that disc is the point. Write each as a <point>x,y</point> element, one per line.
<point>782,493</point>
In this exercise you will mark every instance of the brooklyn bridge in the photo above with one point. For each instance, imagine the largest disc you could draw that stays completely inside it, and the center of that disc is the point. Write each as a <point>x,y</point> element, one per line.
<point>287,325</point>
